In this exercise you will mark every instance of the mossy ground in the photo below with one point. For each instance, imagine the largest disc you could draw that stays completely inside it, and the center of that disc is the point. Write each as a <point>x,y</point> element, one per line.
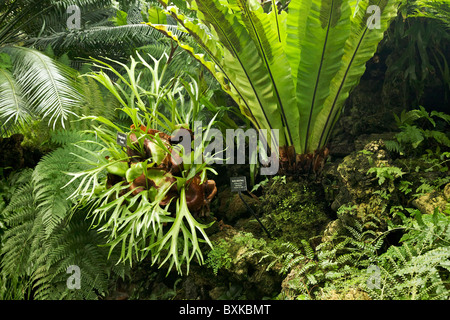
<point>294,210</point>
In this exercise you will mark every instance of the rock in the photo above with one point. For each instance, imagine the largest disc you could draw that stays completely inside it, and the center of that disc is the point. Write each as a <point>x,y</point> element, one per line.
<point>332,228</point>
<point>357,184</point>
<point>245,250</point>
<point>347,294</point>
<point>347,185</point>
<point>293,211</point>
<point>191,289</point>
<point>217,292</point>
<point>231,208</point>
<point>363,140</point>
<point>291,285</point>
<point>430,201</point>
<point>447,192</point>
<point>243,276</point>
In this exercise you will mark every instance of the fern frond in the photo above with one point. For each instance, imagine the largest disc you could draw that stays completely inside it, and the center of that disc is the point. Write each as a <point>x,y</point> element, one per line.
<point>17,239</point>
<point>49,178</point>
<point>41,240</point>
<point>393,146</point>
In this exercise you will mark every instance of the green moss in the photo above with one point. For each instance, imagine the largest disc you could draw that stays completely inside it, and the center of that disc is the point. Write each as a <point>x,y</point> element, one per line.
<point>219,257</point>
<point>293,211</point>
<point>242,258</point>
<point>228,252</point>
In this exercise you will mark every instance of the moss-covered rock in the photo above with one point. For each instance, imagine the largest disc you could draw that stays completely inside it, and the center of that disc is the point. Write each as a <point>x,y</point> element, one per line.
<point>356,184</point>
<point>447,192</point>
<point>332,228</point>
<point>362,185</point>
<point>430,201</point>
<point>347,294</point>
<point>239,255</point>
<point>230,208</point>
<point>234,269</point>
<point>293,211</point>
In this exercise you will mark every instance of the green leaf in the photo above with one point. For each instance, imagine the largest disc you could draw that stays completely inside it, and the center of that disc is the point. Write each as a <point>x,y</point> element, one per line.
<point>157,16</point>
<point>119,169</point>
<point>359,48</point>
<point>327,29</point>
<point>267,40</point>
<point>136,170</point>
<point>5,61</point>
<point>120,19</point>
<point>13,105</point>
<point>42,86</point>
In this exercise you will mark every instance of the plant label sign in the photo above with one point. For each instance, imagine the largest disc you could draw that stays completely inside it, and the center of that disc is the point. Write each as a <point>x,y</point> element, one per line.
<point>238,184</point>
<point>121,139</point>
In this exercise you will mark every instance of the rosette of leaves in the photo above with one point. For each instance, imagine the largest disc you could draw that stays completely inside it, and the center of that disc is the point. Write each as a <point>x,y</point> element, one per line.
<point>290,69</point>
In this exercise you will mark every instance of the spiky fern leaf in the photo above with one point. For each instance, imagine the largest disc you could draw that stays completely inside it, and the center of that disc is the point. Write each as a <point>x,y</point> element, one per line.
<point>98,102</point>
<point>37,248</point>
<point>413,273</point>
<point>74,244</point>
<point>334,265</point>
<point>419,268</point>
<point>49,180</point>
<point>16,241</point>
<point>37,87</point>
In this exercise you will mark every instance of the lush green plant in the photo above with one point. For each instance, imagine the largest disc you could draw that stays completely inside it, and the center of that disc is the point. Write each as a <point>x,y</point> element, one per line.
<point>32,85</point>
<point>9,183</point>
<point>219,257</point>
<point>309,57</point>
<point>418,43</point>
<point>419,268</point>
<point>46,233</point>
<point>415,130</point>
<point>107,28</point>
<point>386,173</point>
<point>138,216</point>
<point>438,9</point>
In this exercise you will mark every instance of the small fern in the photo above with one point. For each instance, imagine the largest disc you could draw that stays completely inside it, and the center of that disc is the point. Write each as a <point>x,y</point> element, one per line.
<point>409,273</point>
<point>419,269</point>
<point>49,178</point>
<point>418,127</point>
<point>334,265</point>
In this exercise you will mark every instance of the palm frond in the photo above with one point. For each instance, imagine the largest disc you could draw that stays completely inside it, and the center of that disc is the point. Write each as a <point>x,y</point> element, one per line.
<point>111,41</point>
<point>50,88</point>
<point>13,106</point>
